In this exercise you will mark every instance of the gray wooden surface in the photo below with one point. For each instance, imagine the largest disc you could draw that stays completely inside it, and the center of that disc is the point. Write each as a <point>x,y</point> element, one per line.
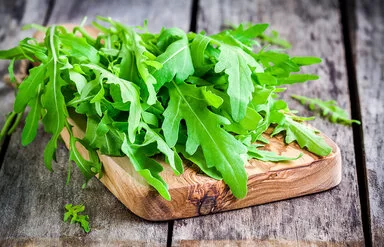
<point>369,52</point>
<point>13,17</point>
<point>333,216</point>
<point>32,198</point>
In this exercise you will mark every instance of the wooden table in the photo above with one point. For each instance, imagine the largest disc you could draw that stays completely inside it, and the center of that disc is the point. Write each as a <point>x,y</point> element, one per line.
<point>348,35</point>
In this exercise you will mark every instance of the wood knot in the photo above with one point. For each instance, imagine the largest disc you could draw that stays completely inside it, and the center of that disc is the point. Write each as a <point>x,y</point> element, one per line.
<point>207,205</point>
<point>272,175</point>
<point>210,198</point>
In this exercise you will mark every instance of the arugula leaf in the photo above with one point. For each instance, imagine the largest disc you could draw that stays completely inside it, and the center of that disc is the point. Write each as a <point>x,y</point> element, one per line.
<point>32,120</point>
<point>304,61</point>
<point>176,60</point>
<point>236,64</point>
<point>329,108</point>
<point>198,159</point>
<point>145,166</point>
<point>274,39</point>
<point>304,136</point>
<point>78,47</point>
<point>11,71</point>
<point>220,149</point>
<point>53,99</point>
<point>173,158</point>
<point>73,211</point>
<point>263,155</point>
<point>29,88</point>
<point>247,36</point>
<point>87,168</point>
<point>200,59</point>
<point>143,59</point>
<point>129,93</point>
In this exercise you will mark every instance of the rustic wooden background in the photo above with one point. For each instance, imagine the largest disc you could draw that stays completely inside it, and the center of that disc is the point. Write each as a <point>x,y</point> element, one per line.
<point>348,35</point>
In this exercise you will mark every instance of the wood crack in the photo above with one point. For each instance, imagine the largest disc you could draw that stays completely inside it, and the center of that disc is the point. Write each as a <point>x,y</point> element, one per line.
<point>347,12</point>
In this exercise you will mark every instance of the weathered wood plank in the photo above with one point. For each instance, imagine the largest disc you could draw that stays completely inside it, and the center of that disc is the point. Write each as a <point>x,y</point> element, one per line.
<point>32,203</point>
<point>15,14</point>
<point>332,217</point>
<point>369,53</point>
<point>32,198</point>
<point>168,13</point>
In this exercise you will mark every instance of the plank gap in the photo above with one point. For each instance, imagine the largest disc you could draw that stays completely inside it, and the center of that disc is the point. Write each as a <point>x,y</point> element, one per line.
<point>192,28</point>
<point>4,148</point>
<point>170,233</point>
<point>51,4</point>
<point>347,12</point>
<point>194,10</point>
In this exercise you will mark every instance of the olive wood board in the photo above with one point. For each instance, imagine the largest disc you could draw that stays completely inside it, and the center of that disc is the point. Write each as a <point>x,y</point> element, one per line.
<point>194,193</point>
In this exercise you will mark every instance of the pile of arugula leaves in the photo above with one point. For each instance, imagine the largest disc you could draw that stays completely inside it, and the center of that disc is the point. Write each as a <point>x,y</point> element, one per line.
<point>206,98</point>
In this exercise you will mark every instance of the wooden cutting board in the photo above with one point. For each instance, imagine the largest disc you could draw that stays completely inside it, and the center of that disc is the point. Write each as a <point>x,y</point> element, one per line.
<point>194,194</point>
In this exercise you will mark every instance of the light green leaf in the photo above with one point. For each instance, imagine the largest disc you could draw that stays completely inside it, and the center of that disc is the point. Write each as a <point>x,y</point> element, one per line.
<point>129,93</point>
<point>220,149</point>
<point>328,108</point>
<point>176,60</point>
<point>304,61</point>
<point>28,89</point>
<point>53,99</point>
<point>173,158</point>
<point>32,120</point>
<point>148,168</point>
<point>237,65</point>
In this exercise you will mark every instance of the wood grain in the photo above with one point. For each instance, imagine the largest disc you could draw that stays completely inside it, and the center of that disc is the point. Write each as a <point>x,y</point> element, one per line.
<point>32,198</point>
<point>15,14</point>
<point>369,53</point>
<point>195,194</point>
<point>32,204</point>
<point>159,13</point>
<point>331,217</point>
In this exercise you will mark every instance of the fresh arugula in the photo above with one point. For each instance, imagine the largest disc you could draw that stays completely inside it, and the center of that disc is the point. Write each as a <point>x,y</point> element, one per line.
<point>329,109</point>
<point>72,211</point>
<point>206,98</point>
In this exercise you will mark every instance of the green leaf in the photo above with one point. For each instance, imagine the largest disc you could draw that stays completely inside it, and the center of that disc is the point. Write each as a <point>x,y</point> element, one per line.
<point>87,168</point>
<point>78,47</point>
<point>172,157</point>
<point>144,60</point>
<point>79,80</point>
<point>129,93</point>
<point>274,39</point>
<point>198,54</point>
<point>11,70</point>
<point>236,64</point>
<point>103,136</point>
<point>29,88</point>
<point>148,168</point>
<point>329,108</point>
<point>53,99</point>
<point>305,136</point>
<point>298,78</point>
<point>220,149</point>
<point>248,35</point>
<point>176,60</point>
<point>32,120</point>
<point>73,211</point>
<point>304,61</point>
<point>268,156</point>
<point>198,159</point>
